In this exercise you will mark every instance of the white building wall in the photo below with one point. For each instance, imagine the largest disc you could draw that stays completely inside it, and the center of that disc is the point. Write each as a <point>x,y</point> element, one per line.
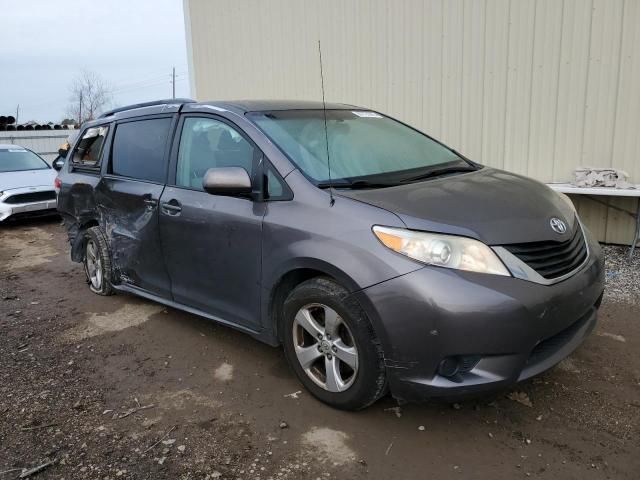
<point>537,87</point>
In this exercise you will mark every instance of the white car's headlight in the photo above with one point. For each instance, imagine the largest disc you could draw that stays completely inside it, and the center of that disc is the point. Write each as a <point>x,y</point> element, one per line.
<point>447,251</point>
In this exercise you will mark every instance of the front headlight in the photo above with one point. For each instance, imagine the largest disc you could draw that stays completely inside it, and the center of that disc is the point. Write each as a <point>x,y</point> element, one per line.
<point>447,251</point>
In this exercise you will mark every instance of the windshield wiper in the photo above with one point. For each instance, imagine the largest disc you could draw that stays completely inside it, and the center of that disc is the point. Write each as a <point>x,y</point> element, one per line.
<point>362,184</point>
<point>438,172</point>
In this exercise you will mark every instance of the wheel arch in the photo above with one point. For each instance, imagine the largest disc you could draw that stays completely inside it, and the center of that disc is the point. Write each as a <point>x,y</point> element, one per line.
<point>294,275</point>
<point>78,241</point>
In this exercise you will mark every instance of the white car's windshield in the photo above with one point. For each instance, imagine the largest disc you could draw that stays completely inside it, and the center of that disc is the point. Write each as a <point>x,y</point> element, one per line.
<point>364,146</point>
<point>19,159</point>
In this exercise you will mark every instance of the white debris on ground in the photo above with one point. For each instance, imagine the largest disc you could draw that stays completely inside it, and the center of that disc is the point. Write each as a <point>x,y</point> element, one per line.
<point>396,410</point>
<point>622,274</point>
<point>293,395</point>
<point>224,372</point>
<point>617,338</point>
<point>329,445</point>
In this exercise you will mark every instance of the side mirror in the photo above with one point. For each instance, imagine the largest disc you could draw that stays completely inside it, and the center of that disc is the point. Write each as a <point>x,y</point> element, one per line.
<point>63,152</point>
<point>58,163</point>
<point>228,181</point>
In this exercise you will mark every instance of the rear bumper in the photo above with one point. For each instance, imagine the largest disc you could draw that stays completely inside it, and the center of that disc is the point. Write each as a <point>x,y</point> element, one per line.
<point>501,330</point>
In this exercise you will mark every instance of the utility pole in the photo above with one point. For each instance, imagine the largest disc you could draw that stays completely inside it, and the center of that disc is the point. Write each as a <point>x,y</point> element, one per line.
<point>80,110</point>
<point>173,82</point>
<point>17,114</point>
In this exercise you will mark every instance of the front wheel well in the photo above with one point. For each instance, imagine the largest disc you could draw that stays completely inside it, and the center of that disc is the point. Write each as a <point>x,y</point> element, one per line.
<point>287,283</point>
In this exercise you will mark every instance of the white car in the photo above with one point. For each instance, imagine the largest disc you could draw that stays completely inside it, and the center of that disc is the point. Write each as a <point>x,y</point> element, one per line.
<point>26,183</point>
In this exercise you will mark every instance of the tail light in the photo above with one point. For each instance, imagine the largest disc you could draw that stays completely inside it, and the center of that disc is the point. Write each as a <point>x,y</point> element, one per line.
<point>57,184</point>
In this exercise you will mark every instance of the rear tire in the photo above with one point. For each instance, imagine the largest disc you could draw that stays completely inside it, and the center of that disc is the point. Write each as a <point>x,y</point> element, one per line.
<point>97,262</point>
<point>331,346</point>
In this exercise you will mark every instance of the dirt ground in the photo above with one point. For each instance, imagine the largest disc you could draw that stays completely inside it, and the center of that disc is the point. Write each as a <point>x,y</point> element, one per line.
<point>118,387</point>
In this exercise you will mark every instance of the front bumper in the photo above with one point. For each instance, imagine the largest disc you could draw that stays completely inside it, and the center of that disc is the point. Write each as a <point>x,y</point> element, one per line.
<point>28,208</point>
<point>507,328</point>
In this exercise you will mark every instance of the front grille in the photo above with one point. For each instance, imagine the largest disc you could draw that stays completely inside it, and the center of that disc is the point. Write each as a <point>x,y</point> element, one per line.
<point>31,197</point>
<point>552,259</point>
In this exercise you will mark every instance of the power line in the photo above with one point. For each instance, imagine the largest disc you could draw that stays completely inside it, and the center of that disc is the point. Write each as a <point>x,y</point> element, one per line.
<point>153,84</point>
<point>148,76</point>
<point>122,88</point>
<point>133,85</point>
<point>141,82</point>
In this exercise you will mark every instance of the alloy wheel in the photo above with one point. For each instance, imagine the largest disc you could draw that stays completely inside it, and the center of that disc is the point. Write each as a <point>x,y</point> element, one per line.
<point>93,265</point>
<point>325,347</point>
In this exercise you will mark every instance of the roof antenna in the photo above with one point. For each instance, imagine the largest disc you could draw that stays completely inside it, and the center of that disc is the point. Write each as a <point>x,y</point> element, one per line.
<point>326,132</point>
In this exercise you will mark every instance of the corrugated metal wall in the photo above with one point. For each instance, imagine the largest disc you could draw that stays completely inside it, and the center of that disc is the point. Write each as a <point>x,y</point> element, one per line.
<point>537,87</point>
<point>44,142</point>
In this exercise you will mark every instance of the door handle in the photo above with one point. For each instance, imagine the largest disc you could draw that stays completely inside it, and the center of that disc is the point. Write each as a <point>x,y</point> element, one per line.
<point>150,203</point>
<point>172,207</point>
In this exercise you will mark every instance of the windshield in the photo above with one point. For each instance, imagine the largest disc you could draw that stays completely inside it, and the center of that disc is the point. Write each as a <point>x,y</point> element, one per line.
<point>17,159</point>
<point>363,145</point>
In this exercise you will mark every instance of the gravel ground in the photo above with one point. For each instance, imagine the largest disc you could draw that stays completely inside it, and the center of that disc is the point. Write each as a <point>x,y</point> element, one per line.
<point>622,274</point>
<point>117,387</point>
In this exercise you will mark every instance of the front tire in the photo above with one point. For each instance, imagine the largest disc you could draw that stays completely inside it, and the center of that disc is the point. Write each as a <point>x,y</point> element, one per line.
<point>97,262</point>
<point>330,345</point>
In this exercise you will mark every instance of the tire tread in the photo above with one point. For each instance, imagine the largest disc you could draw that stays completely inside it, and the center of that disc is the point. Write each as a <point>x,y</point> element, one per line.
<point>96,234</point>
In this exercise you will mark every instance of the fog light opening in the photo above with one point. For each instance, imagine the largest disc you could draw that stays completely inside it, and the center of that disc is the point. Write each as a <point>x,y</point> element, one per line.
<point>449,366</point>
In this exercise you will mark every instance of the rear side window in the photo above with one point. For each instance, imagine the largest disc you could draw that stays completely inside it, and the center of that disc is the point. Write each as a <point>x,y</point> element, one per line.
<point>87,153</point>
<point>138,149</point>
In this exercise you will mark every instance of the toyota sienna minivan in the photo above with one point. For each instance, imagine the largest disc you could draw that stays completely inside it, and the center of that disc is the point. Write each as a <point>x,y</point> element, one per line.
<point>379,258</point>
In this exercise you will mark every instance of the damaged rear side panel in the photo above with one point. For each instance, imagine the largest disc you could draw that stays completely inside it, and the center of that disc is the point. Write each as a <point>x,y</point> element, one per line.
<point>115,175</point>
<point>128,197</point>
<point>82,174</point>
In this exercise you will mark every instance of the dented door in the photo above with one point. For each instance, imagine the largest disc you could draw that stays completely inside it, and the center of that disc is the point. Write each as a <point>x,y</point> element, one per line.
<point>128,197</point>
<point>130,216</point>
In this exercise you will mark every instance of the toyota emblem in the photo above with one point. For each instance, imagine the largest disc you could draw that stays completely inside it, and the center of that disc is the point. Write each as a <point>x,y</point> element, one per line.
<point>558,225</point>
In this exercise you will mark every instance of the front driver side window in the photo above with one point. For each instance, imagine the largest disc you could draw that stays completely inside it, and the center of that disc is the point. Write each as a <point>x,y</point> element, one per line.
<point>208,143</point>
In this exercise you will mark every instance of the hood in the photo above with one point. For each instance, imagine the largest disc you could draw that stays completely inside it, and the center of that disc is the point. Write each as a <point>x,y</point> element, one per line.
<point>27,178</point>
<point>493,206</point>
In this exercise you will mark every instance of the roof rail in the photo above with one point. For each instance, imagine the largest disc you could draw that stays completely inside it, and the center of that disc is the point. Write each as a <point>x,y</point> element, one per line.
<point>169,101</point>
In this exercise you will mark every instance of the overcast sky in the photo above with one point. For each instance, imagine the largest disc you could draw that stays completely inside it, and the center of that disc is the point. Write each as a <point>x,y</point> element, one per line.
<point>44,44</point>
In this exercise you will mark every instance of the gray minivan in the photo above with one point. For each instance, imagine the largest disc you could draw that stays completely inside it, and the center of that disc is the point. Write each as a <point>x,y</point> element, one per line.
<point>379,258</point>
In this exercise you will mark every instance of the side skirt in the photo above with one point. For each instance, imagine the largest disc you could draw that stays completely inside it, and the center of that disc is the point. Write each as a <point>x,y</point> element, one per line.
<point>257,334</point>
